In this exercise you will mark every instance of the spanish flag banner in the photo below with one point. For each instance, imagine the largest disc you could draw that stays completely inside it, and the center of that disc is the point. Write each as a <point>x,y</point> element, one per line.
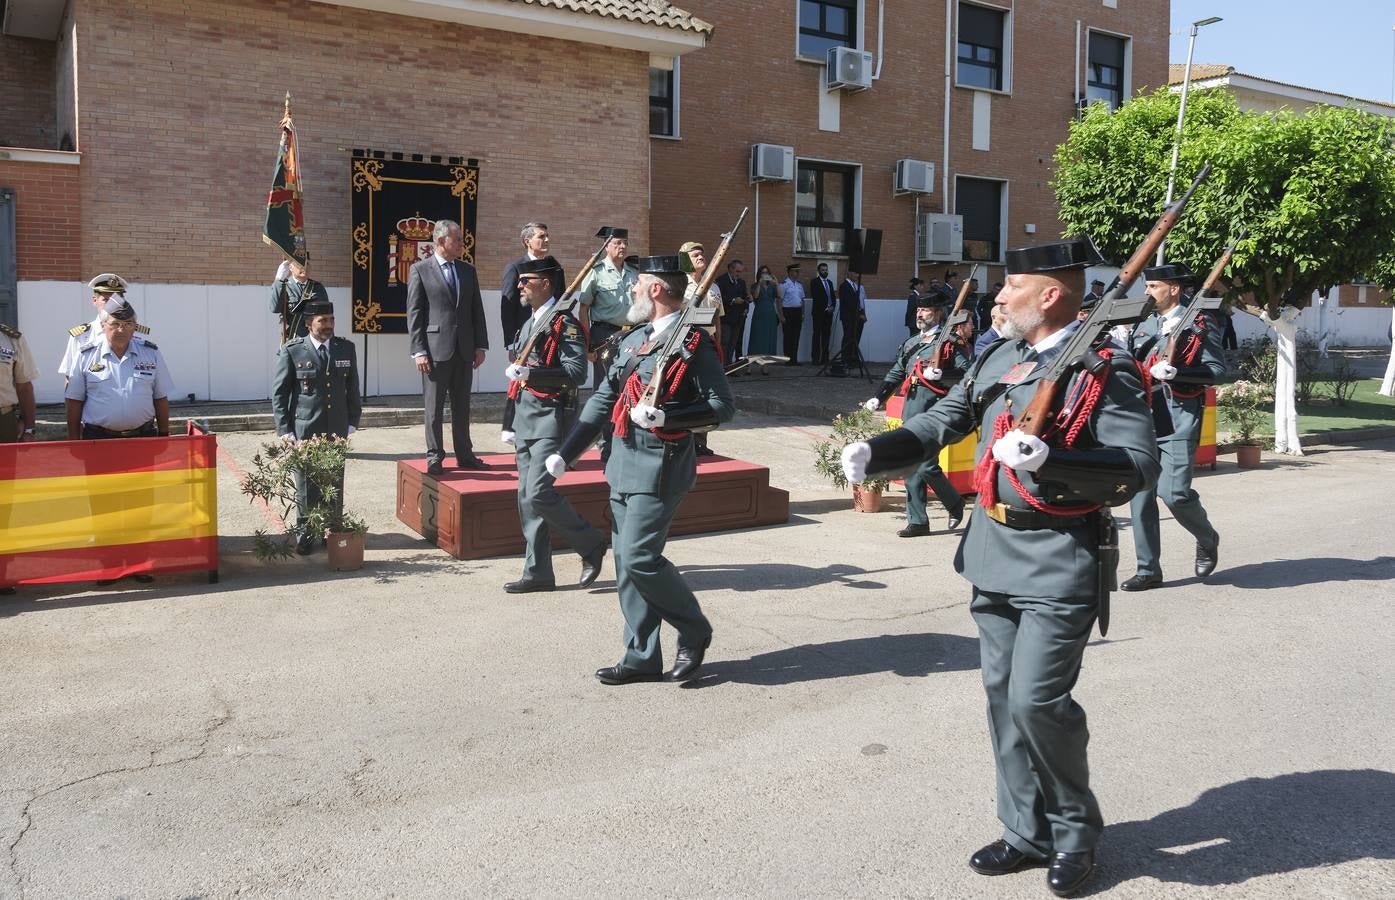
<point>92,510</point>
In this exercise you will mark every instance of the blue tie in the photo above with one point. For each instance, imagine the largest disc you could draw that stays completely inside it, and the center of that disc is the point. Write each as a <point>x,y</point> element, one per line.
<point>448,270</point>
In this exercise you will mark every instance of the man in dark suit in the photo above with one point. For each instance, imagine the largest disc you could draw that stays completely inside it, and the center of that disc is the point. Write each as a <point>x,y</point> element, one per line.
<point>852,315</point>
<point>824,298</point>
<point>447,331</point>
<point>513,310</point>
<point>735,295</point>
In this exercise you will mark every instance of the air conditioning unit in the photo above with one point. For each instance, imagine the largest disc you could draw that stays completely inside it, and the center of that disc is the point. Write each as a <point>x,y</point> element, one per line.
<point>772,162</point>
<point>847,69</point>
<point>914,177</point>
<point>941,238</point>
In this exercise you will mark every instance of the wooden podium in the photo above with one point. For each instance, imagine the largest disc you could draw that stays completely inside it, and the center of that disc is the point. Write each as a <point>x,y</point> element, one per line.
<point>474,514</point>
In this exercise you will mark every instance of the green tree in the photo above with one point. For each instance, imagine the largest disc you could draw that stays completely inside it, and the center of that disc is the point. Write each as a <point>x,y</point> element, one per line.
<point>1315,190</point>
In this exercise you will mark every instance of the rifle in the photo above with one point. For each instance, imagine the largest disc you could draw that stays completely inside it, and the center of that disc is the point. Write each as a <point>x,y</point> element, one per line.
<point>956,317</point>
<point>692,315</point>
<point>1113,309</point>
<point>1200,301</point>
<point>605,350</point>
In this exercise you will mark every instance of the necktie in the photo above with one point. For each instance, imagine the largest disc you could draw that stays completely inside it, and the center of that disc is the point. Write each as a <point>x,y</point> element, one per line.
<point>449,271</point>
<point>324,357</point>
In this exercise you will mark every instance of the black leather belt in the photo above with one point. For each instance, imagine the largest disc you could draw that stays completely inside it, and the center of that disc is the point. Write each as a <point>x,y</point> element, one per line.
<point>1029,518</point>
<point>146,430</point>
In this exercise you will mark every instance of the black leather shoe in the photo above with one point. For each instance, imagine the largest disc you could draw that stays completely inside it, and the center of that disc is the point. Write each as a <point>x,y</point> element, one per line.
<point>618,674</point>
<point>956,518</point>
<point>435,469</point>
<point>914,531</point>
<point>473,463</point>
<point>1206,559</point>
<point>304,545</point>
<point>1141,582</point>
<point>1069,871</point>
<point>1000,858</point>
<point>528,586</point>
<point>591,567</point>
<point>688,661</point>
<point>7,592</point>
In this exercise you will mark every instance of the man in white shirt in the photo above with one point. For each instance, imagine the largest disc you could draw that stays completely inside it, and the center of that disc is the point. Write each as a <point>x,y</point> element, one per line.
<point>791,311</point>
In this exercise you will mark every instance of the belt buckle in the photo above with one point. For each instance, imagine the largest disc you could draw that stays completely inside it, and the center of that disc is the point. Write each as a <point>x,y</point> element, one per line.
<point>997,512</point>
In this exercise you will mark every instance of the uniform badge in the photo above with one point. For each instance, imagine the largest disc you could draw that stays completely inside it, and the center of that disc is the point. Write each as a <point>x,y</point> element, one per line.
<point>341,363</point>
<point>97,367</point>
<point>1018,373</point>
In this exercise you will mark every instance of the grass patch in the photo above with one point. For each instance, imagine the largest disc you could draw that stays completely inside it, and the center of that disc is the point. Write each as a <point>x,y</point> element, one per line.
<point>1367,409</point>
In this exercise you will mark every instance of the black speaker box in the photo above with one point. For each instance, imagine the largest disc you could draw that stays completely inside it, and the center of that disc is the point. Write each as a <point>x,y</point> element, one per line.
<point>865,250</point>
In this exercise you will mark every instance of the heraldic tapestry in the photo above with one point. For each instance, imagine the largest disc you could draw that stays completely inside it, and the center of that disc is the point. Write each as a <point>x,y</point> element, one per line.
<point>395,203</point>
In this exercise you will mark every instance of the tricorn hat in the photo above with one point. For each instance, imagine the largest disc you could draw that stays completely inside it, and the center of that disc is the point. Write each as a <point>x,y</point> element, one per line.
<point>1169,272</point>
<point>108,283</point>
<point>545,266</point>
<point>1076,253</point>
<point>660,265</point>
<point>927,301</point>
<point>318,308</point>
<point>610,231</point>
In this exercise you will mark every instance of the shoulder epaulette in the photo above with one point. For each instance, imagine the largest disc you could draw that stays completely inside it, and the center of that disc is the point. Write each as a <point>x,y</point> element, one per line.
<point>152,345</point>
<point>79,330</point>
<point>8,331</point>
<point>143,329</point>
<point>294,341</point>
<point>91,344</point>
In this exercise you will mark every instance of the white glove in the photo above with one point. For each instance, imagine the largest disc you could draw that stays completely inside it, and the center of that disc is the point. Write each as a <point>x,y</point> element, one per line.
<point>933,374</point>
<point>1162,371</point>
<point>515,372</point>
<point>855,459</point>
<point>283,271</point>
<point>507,437</point>
<point>556,466</point>
<point>874,404</point>
<point>648,416</point>
<point>352,429</point>
<point>1019,450</point>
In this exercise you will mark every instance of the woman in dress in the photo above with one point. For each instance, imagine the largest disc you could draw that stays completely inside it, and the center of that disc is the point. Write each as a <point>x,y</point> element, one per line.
<point>764,321</point>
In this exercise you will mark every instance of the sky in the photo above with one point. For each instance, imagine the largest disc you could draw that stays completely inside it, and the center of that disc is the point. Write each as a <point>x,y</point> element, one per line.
<point>1343,46</point>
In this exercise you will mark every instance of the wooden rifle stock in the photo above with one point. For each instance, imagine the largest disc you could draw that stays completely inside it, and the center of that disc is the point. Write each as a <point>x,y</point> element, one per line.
<point>1200,300</point>
<point>952,320</point>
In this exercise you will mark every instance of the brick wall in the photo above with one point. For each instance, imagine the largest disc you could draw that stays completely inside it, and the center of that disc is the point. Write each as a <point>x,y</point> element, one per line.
<point>747,87</point>
<point>180,101</point>
<point>47,219</point>
<point>26,102</point>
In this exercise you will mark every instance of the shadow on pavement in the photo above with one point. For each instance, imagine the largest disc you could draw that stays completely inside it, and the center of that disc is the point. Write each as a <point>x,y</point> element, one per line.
<point>1281,573</point>
<point>1255,827</point>
<point>907,655</point>
<point>779,576</point>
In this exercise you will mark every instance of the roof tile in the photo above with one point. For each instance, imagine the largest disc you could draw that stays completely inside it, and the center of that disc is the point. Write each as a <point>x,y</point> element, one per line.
<point>648,12</point>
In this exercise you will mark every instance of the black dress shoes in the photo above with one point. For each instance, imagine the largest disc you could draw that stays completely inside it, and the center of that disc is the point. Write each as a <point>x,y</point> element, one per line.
<point>305,545</point>
<point>473,463</point>
<point>688,661</point>
<point>1141,582</point>
<point>591,567</point>
<point>618,674</point>
<point>1000,858</point>
<point>1069,871</point>
<point>956,517</point>
<point>435,469</point>
<point>1206,559</point>
<point>528,586</point>
<point>914,531</point>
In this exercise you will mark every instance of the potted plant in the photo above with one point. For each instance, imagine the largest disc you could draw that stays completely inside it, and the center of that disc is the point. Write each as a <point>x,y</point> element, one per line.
<point>1245,404</point>
<point>271,481</point>
<point>859,425</point>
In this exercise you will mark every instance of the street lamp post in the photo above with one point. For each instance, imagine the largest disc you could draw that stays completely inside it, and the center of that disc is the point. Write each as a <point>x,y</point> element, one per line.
<point>1181,112</point>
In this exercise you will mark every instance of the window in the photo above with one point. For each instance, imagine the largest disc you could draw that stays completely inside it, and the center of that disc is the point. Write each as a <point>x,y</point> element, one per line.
<point>980,202</point>
<point>1106,73</point>
<point>824,24</point>
<point>823,207</point>
<point>981,42</point>
<point>663,101</point>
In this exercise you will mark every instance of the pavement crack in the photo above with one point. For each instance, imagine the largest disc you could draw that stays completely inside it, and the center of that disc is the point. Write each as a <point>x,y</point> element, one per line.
<point>211,727</point>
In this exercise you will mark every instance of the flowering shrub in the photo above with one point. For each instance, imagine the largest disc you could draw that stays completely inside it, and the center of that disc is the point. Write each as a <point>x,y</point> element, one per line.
<point>1246,404</point>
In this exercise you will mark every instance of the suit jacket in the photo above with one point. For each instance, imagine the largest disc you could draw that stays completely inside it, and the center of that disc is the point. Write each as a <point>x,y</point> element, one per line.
<point>734,295</point>
<point>513,312</point>
<point>306,398</point>
<point>824,300</point>
<point>439,324</point>
<point>849,302</point>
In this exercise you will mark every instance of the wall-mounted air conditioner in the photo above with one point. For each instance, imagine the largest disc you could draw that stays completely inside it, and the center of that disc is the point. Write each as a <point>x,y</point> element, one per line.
<point>914,177</point>
<point>941,238</point>
<point>847,69</point>
<point>772,162</point>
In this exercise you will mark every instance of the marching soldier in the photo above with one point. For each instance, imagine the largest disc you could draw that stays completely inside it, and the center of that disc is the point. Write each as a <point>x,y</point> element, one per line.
<point>17,374</point>
<point>651,469</point>
<point>119,386</point>
<point>291,293</point>
<point>543,387</point>
<point>926,379</point>
<point>1033,550</point>
<point>315,392</point>
<point>1179,399</point>
<point>104,287</point>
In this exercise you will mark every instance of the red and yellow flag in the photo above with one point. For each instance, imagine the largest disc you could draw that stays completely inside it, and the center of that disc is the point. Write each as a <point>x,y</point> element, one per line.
<point>285,211</point>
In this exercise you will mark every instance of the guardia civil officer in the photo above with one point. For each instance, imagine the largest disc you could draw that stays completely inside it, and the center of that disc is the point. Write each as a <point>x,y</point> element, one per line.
<point>605,294</point>
<point>924,378</point>
<point>291,294</point>
<point>104,287</point>
<point>652,467</point>
<point>1032,552</point>
<point>315,392</point>
<point>543,385</point>
<point>120,387</point>
<point>17,374</point>
<point>1179,399</point>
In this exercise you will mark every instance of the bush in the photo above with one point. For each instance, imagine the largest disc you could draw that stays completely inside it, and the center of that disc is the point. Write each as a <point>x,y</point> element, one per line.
<point>1309,366</point>
<point>272,481</point>
<point>1246,404</point>
<point>859,425</point>
<point>1342,383</point>
<point>1259,361</point>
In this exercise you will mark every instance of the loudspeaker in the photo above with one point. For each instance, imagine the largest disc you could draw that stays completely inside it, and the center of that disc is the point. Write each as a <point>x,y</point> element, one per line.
<point>865,250</point>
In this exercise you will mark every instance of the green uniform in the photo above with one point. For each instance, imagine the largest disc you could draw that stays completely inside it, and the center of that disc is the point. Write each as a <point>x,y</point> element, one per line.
<point>607,292</point>
<point>315,393</point>
<point>1183,399</point>
<point>649,476</point>
<point>544,412</point>
<point>1036,586</point>
<point>921,395</point>
<point>296,295</point>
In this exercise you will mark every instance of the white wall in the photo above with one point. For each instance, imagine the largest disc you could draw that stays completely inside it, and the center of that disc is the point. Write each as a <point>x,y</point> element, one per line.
<point>220,341</point>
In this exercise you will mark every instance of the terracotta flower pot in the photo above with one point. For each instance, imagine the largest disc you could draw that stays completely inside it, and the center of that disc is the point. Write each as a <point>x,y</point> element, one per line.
<point>1247,456</point>
<point>345,550</point>
<point>867,499</point>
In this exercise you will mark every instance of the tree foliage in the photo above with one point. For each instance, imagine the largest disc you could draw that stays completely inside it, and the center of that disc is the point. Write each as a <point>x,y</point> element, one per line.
<point>1315,190</point>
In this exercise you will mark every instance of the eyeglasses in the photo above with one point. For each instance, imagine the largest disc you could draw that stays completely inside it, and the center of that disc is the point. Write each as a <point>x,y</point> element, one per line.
<point>526,279</point>
<point>120,326</point>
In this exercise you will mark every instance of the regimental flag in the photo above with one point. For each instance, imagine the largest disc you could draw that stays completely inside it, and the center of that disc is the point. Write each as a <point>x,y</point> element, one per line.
<point>285,212</point>
<point>90,510</point>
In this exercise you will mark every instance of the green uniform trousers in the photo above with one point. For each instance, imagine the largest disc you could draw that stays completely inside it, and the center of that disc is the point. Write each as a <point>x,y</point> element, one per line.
<point>542,509</point>
<point>929,474</point>
<point>1031,649</point>
<point>651,589</point>
<point>1175,454</point>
